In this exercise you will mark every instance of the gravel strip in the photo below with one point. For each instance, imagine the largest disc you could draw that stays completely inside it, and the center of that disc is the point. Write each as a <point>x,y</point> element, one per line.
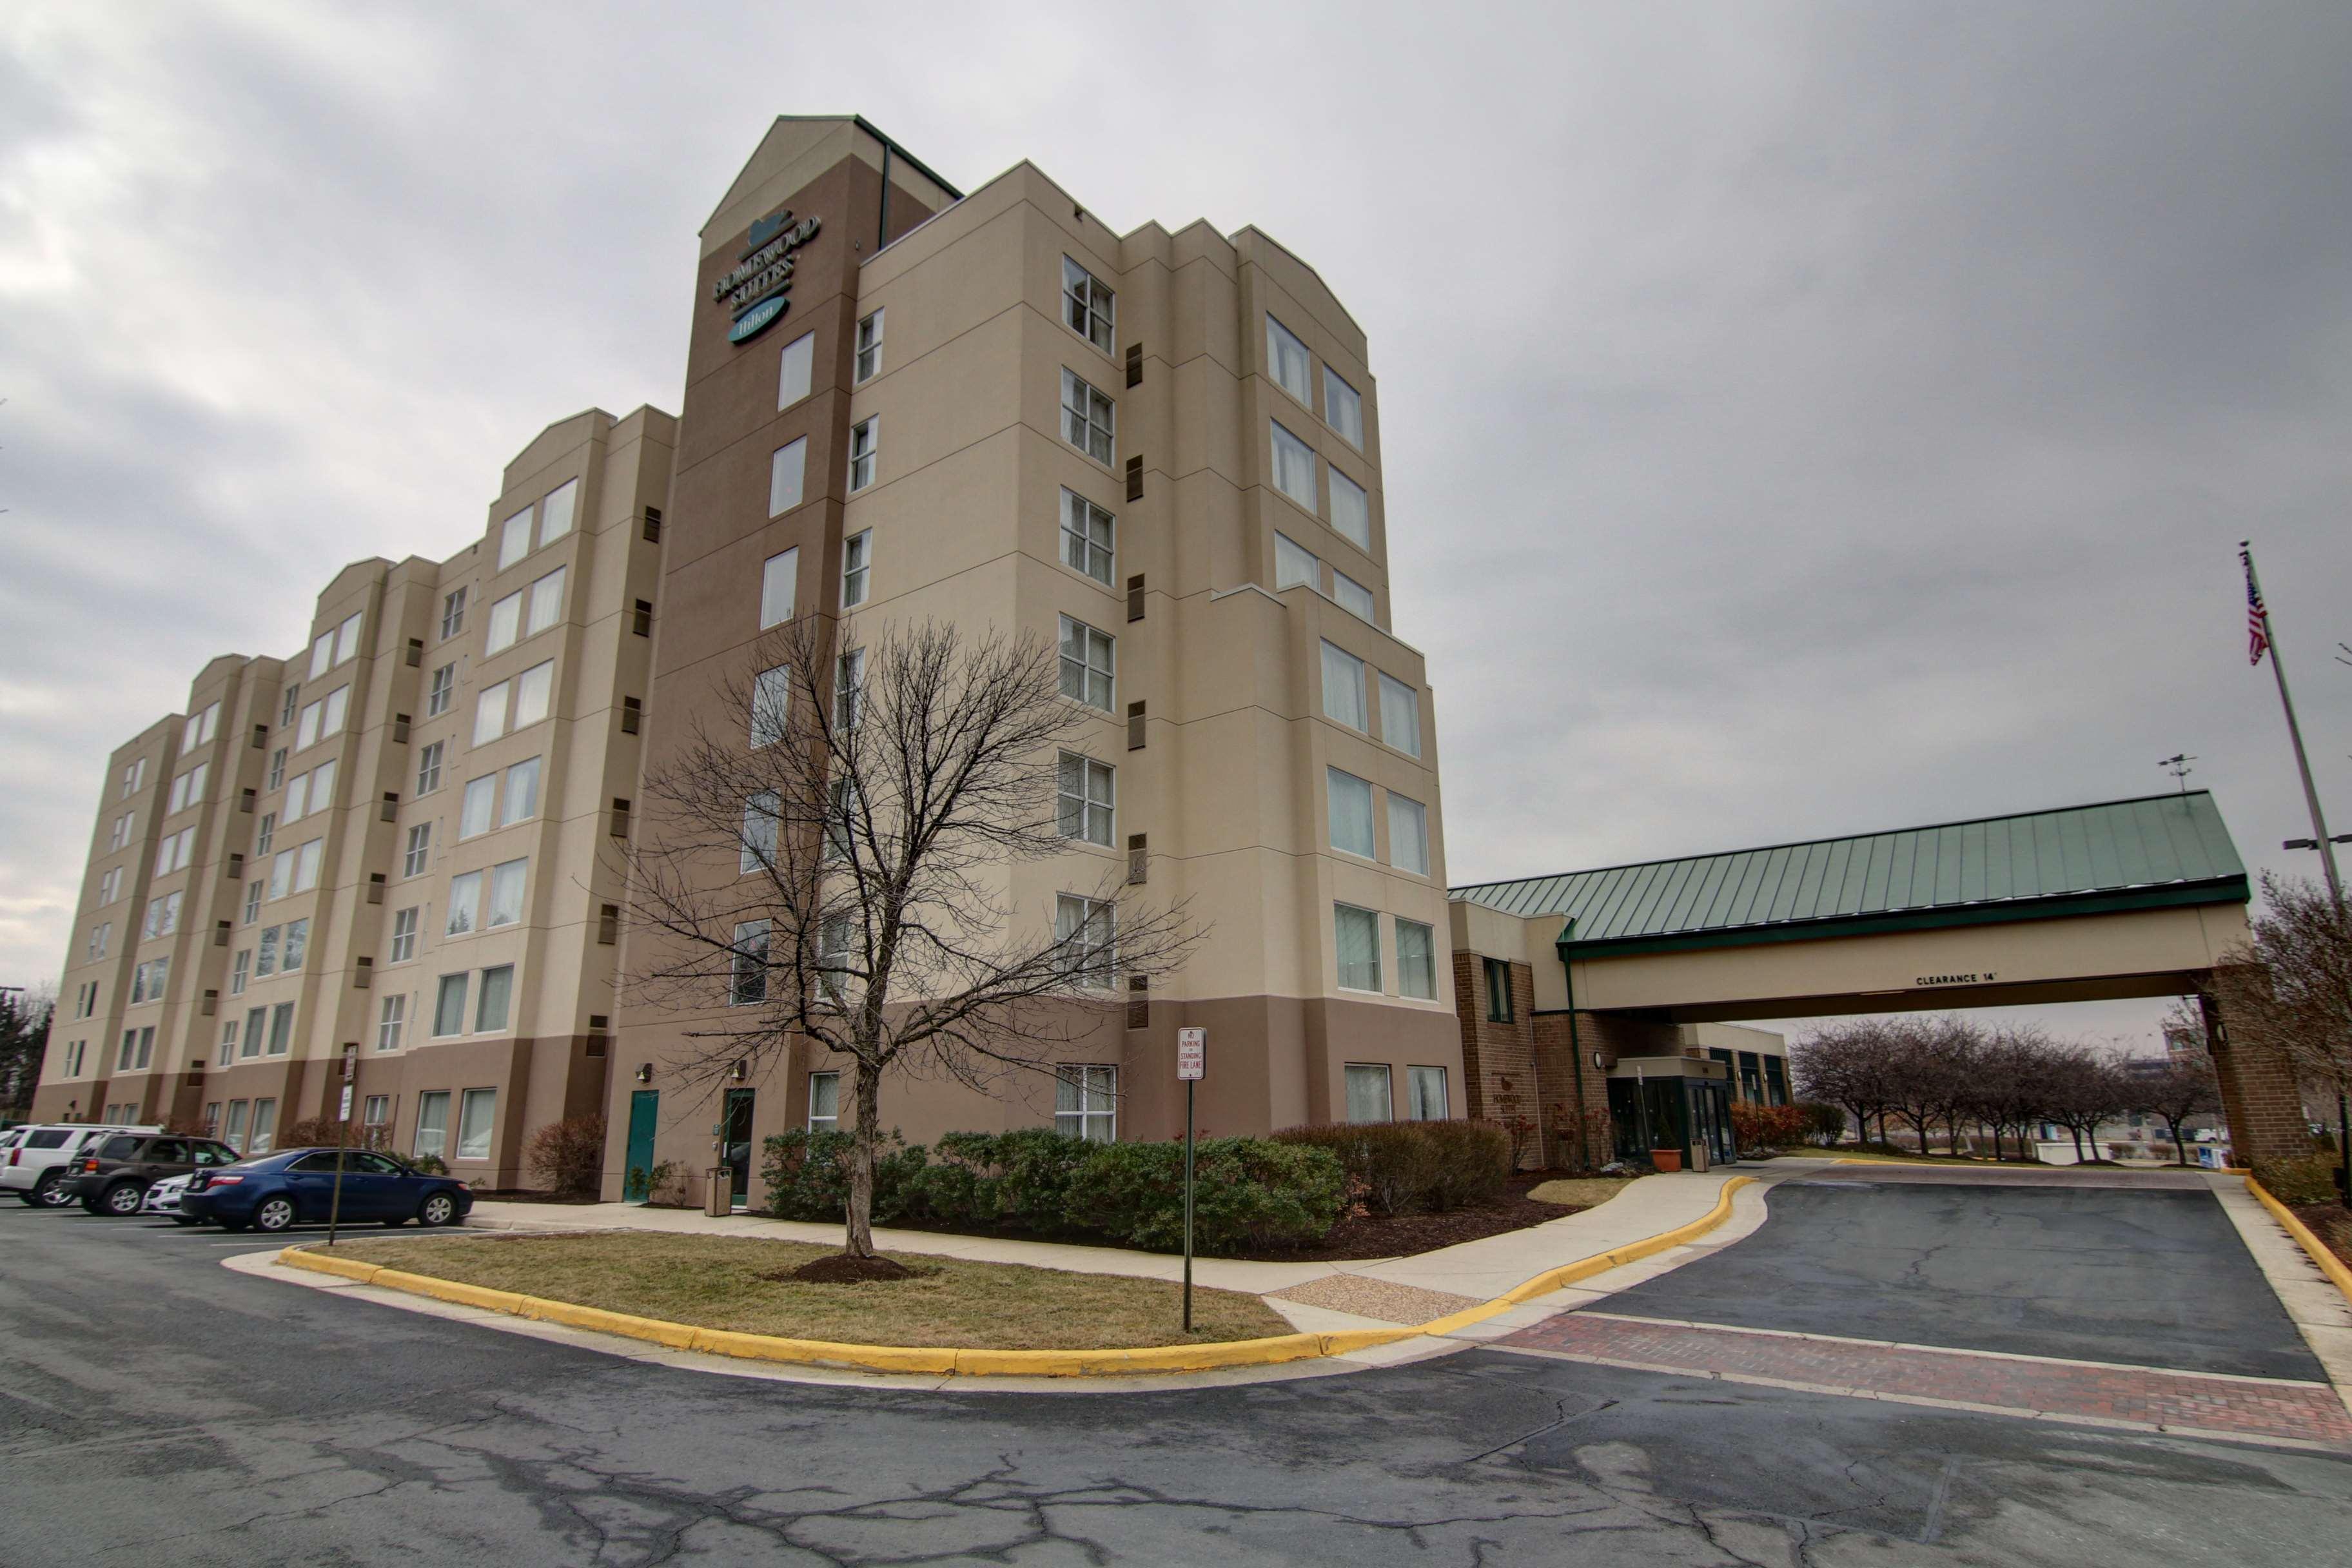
<point>1368,1297</point>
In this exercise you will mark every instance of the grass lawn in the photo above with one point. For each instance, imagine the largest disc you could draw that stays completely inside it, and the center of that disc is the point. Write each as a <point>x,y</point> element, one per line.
<point>724,1282</point>
<point>1582,1192</point>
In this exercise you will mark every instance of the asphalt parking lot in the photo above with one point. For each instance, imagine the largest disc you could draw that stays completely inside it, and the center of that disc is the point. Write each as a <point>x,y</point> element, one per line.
<point>154,1406</point>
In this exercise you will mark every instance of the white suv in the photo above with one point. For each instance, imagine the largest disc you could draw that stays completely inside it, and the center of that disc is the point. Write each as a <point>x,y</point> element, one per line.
<point>35,1164</point>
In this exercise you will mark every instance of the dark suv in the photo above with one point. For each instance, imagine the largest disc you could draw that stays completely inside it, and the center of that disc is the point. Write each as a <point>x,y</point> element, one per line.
<point>113,1177</point>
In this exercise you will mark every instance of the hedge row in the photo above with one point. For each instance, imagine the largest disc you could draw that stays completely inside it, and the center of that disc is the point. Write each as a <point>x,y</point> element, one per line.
<point>1407,1167</point>
<point>2305,1179</point>
<point>1250,1194</point>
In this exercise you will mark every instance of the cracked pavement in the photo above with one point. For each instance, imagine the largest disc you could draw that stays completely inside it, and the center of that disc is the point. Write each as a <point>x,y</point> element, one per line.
<point>154,1407</point>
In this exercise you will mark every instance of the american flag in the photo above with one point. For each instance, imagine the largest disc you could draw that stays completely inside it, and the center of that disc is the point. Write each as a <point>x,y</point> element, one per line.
<point>2258,621</point>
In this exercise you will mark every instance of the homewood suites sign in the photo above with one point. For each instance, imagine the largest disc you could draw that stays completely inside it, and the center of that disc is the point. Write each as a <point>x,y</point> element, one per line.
<point>758,290</point>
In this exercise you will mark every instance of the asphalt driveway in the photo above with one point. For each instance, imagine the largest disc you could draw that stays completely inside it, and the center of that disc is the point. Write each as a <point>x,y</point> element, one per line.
<point>2141,1272</point>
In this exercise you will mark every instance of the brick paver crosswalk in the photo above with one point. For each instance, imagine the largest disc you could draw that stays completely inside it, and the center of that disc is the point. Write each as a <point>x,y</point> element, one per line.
<point>2091,1393</point>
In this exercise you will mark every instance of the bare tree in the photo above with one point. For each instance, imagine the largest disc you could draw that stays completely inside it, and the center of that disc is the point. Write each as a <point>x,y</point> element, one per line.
<point>1851,1064</point>
<point>843,870</point>
<point>2184,1089</point>
<point>2289,989</point>
<point>25,1018</point>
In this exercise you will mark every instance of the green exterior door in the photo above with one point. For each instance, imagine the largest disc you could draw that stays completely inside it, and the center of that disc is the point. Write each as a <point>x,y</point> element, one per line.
<point>644,1110</point>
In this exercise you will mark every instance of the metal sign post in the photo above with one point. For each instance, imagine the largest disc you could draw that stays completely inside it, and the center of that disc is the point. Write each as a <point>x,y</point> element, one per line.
<point>343,1136</point>
<point>1191,1059</point>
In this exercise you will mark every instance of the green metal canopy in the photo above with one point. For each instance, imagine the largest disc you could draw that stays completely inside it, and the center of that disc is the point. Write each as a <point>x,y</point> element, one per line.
<point>2156,852</point>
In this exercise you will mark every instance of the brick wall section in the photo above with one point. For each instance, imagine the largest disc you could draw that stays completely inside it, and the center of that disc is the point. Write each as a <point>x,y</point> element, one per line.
<point>1502,1080</point>
<point>1561,1060</point>
<point>2258,1095</point>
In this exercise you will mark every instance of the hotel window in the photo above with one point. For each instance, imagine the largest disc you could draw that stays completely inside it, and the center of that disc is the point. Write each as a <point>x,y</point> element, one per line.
<point>322,655</point>
<point>514,538</point>
<point>167,914</point>
<point>869,348</point>
<point>1416,960</point>
<point>235,1137</point>
<point>1400,715</point>
<point>465,902</point>
<point>1352,511</point>
<point>1368,1092</point>
<point>477,1112</point>
<point>453,612</point>
<point>428,767</point>
<point>130,780</point>
<point>522,793</point>
<point>282,1028</point>
<point>264,1127</point>
<point>849,690</point>
<point>377,1116</point>
<point>555,511</point>
<point>266,964</point>
<point>1352,812</point>
<point>533,689</point>
<point>449,1006</point>
<point>824,1101</point>
<point>1294,467</point>
<point>276,768</point>
<point>442,691</point>
<point>264,834</point>
<point>121,832</point>
<point>1085,1103</point>
<point>337,702</point>
<point>793,370</point>
<point>1498,991</point>
<point>747,981</point>
<point>240,968</point>
<point>1086,537</point>
<point>347,642</point>
<point>1343,410</point>
<point>1408,835</point>
<point>840,817</point>
<point>787,476</point>
<point>758,848</point>
<point>391,1018</point>
<point>432,1123</point>
<point>772,692</point>
<point>1088,309</point>
<point>256,1026</point>
<point>857,568</point>
<point>306,734</point>
<point>110,887</point>
<point>473,816</point>
<point>404,932</point>
<point>293,695</point>
<point>297,798</point>
<point>864,444</point>
<point>1288,362</point>
<point>323,787</point>
<point>1084,799</point>
<point>1088,667</point>
<point>1294,564</point>
<point>1089,420</point>
<point>496,1000</point>
<point>419,851</point>
<point>505,623</point>
<point>306,864</point>
<point>252,902</point>
<point>1343,687</point>
<point>1425,1093</point>
<point>1087,931</point>
<point>546,604</point>
<point>1353,596</point>
<point>508,878</point>
<point>490,713</point>
<point>778,582</point>
<point>297,946</point>
<point>833,942</point>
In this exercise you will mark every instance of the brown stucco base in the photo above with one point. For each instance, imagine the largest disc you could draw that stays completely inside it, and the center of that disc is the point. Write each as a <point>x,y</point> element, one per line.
<point>1273,1062</point>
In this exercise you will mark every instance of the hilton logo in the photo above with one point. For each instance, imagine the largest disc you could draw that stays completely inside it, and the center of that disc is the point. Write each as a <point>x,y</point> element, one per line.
<point>757,291</point>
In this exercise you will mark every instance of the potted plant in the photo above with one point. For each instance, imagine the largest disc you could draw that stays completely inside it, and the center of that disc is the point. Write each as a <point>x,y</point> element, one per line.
<point>1666,1160</point>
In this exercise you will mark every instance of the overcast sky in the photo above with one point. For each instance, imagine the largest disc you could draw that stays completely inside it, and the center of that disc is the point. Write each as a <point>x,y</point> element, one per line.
<point>1797,420</point>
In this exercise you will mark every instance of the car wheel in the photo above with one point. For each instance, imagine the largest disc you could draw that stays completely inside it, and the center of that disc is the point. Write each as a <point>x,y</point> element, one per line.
<point>49,1192</point>
<point>273,1213</point>
<point>124,1198</point>
<point>438,1209</point>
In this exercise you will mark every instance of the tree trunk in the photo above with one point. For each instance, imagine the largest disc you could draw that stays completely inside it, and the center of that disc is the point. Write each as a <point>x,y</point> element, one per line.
<point>866,1094</point>
<point>2077,1133</point>
<point>2180,1143</point>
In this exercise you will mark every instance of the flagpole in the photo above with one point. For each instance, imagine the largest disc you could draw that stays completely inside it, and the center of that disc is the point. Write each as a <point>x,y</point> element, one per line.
<point>2293,730</point>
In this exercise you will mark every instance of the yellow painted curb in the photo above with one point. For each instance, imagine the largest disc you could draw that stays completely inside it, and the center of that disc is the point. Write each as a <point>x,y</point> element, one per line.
<point>2329,1264</point>
<point>1108,1363</point>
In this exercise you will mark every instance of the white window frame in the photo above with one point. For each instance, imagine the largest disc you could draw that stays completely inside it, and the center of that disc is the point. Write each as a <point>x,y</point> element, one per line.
<point>1085,799</point>
<point>405,925</point>
<point>428,766</point>
<point>1339,393</point>
<point>1089,418</point>
<point>1286,451</point>
<point>1088,929</point>
<point>1088,655</point>
<point>1405,977</point>
<point>1334,781</point>
<point>1344,685</point>
<point>544,608</point>
<point>555,511</point>
<point>857,568</point>
<point>1408,834</point>
<point>514,538</point>
<point>416,855</point>
<point>1352,1074</point>
<point>1082,551</point>
<point>788,476</point>
<point>1088,308</point>
<point>795,370</point>
<point>453,612</point>
<point>1286,353</point>
<point>1351,510</point>
<point>867,349</point>
<point>864,452</point>
<point>1400,715</point>
<point>771,703</point>
<point>1339,909</point>
<point>1085,1101</point>
<point>522,781</point>
<point>827,1122</point>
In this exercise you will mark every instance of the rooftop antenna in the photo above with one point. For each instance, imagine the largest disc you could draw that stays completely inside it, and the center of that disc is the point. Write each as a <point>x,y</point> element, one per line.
<point>2177,766</point>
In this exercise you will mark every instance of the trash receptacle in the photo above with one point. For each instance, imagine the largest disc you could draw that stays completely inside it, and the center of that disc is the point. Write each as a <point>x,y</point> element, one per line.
<point>718,1192</point>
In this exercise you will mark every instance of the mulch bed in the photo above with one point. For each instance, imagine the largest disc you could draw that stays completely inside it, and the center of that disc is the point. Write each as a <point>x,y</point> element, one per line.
<point>1376,1235</point>
<point>2332,1223</point>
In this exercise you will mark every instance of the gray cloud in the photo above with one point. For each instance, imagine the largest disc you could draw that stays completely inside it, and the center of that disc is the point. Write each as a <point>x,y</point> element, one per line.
<point>1798,419</point>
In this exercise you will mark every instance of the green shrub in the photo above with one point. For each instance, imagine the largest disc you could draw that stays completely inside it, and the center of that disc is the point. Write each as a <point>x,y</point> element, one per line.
<point>1473,1163</point>
<point>2306,1179</point>
<point>1250,1195</point>
<point>807,1174</point>
<point>1769,1126</point>
<point>1824,1124</point>
<point>1404,1167</point>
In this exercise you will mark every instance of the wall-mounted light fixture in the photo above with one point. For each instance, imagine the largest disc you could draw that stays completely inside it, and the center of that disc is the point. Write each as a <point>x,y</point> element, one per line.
<point>742,1070</point>
<point>645,1072</point>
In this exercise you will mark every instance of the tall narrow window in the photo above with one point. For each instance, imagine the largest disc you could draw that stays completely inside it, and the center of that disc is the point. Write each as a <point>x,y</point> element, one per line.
<point>263,833</point>
<point>1400,715</point>
<point>418,852</point>
<point>449,1006</point>
<point>534,689</point>
<point>1087,669</point>
<point>1088,309</point>
<point>793,370</point>
<point>1359,934</point>
<point>464,903</point>
<point>1416,960</point>
<point>1086,537</point>
<point>491,1012</point>
<point>1498,991</point>
<point>1352,511</point>
<point>1089,420</point>
<point>330,722</point>
<point>1294,467</point>
<point>347,638</point>
<point>555,511</point>
<point>1352,812</point>
<point>1084,799</point>
<point>748,981</point>
<point>514,538</point>
<point>865,446</point>
<point>857,568</point>
<point>297,946</point>
<point>772,692</point>
<point>522,803</point>
<point>849,690</point>
<point>442,691</point>
<point>1288,362</point>
<point>453,612</point>
<point>322,655</point>
<point>1343,410</point>
<point>1408,835</point>
<point>824,1101</point>
<point>473,816</point>
<point>1294,563</point>
<point>282,1028</point>
<point>490,713</point>
<point>391,1020</point>
<point>478,1110</point>
<point>779,582</point>
<point>546,604</point>
<point>508,878</point>
<point>432,1121</point>
<point>404,933</point>
<point>264,1117</point>
<point>505,623</point>
<point>240,968</point>
<point>428,766</point>
<point>1343,687</point>
<point>758,849</point>
<point>869,347</point>
<point>787,473</point>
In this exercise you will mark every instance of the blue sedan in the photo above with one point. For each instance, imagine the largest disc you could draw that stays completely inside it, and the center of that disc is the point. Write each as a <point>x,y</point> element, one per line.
<point>298,1186</point>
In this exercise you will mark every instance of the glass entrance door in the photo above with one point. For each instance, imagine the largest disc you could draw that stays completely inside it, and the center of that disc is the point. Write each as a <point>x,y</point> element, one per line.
<point>735,1143</point>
